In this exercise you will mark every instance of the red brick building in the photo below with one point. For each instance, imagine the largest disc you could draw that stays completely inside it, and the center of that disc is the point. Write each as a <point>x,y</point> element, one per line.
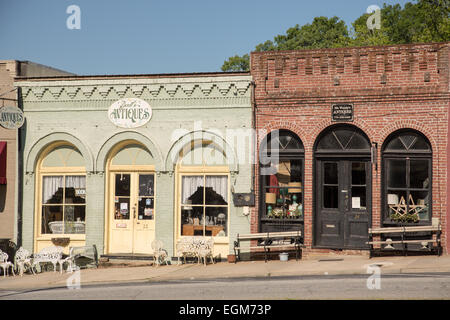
<point>363,134</point>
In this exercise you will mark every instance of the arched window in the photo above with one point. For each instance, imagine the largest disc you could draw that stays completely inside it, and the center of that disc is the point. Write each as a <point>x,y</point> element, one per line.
<point>203,177</point>
<point>281,178</point>
<point>407,165</point>
<point>62,198</point>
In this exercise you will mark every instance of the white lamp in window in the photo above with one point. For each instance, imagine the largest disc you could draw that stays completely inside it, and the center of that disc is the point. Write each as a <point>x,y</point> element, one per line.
<point>392,198</point>
<point>188,206</point>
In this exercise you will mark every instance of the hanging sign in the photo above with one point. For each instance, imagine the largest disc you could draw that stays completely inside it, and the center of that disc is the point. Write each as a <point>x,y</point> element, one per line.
<point>342,112</point>
<point>130,113</point>
<point>11,117</point>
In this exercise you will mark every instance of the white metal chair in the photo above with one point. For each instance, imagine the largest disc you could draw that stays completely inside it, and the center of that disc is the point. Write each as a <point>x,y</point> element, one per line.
<point>204,249</point>
<point>5,264</point>
<point>197,247</point>
<point>22,260</point>
<point>159,253</point>
<point>186,248</point>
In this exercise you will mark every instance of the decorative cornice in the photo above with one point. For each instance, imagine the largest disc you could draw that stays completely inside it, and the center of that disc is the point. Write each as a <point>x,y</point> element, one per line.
<point>238,86</point>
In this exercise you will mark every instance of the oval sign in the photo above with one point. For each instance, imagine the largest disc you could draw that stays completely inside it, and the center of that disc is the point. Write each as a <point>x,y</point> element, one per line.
<point>11,117</point>
<point>130,113</point>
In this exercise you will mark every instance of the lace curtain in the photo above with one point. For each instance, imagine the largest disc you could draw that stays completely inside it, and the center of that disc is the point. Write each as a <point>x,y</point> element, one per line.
<point>190,184</point>
<point>51,185</point>
<point>219,185</point>
<point>77,182</point>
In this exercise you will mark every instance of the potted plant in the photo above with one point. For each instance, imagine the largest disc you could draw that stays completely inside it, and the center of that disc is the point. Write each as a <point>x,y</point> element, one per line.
<point>231,258</point>
<point>408,217</point>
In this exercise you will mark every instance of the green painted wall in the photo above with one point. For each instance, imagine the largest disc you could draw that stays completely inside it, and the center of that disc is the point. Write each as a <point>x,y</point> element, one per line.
<point>75,110</point>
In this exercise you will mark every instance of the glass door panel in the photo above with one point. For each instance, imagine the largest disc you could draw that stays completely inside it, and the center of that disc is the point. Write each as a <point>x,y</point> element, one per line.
<point>146,197</point>
<point>358,186</point>
<point>330,185</point>
<point>144,203</point>
<point>122,196</point>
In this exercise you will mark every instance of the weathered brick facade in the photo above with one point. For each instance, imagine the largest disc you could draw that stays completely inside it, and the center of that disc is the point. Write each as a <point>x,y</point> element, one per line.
<point>391,88</point>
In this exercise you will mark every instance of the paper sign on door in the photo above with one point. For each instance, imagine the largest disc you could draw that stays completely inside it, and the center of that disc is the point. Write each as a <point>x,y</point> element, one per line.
<point>124,208</point>
<point>356,202</point>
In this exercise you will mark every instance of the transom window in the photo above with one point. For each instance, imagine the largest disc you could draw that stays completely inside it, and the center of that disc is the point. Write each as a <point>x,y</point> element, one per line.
<point>343,138</point>
<point>407,166</point>
<point>283,141</point>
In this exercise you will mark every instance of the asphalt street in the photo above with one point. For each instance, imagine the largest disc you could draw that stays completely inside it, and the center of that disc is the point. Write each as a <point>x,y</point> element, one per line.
<point>389,287</point>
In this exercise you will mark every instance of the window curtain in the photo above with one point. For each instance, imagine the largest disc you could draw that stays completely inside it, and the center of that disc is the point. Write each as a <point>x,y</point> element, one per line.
<point>219,185</point>
<point>76,182</point>
<point>51,184</point>
<point>189,187</point>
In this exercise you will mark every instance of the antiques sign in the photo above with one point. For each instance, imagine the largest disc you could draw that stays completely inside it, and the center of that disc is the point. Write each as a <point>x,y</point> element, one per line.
<point>342,112</point>
<point>130,113</point>
<point>11,117</point>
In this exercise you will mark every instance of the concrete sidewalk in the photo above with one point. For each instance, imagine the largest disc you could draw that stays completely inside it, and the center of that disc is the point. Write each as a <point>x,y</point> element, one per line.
<point>143,271</point>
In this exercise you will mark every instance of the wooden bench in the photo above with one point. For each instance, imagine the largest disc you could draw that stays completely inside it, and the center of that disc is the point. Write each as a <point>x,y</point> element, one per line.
<point>270,240</point>
<point>403,232</point>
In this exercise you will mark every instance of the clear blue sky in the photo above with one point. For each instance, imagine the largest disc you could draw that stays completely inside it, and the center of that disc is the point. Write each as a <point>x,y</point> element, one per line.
<point>147,36</point>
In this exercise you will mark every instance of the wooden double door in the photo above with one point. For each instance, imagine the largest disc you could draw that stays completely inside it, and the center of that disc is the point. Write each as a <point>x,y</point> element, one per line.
<point>343,203</point>
<point>132,212</point>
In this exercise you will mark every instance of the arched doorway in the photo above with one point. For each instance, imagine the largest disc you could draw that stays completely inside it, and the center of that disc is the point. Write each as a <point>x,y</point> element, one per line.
<point>342,188</point>
<point>130,210</point>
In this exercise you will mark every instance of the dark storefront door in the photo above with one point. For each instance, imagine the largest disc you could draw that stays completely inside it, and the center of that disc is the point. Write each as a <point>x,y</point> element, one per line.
<point>343,199</point>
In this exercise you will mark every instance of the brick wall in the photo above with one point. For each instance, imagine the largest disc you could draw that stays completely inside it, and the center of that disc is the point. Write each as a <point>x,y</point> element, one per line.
<point>391,88</point>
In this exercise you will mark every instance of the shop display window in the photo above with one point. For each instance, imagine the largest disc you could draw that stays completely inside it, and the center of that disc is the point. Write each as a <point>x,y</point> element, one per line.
<point>283,190</point>
<point>63,204</point>
<point>282,177</point>
<point>204,205</point>
<point>407,178</point>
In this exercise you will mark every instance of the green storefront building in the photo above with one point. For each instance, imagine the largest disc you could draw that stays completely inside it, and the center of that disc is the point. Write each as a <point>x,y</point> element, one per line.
<point>118,161</point>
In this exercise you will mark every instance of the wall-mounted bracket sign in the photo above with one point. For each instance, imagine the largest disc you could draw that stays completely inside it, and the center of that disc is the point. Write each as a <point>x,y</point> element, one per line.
<point>342,112</point>
<point>11,117</point>
<point>244,199</point>
<point>130,113</point>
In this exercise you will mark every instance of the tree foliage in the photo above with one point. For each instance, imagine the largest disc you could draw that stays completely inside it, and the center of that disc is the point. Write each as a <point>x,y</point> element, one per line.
<point>237,63</point>
<point>418,21</point>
